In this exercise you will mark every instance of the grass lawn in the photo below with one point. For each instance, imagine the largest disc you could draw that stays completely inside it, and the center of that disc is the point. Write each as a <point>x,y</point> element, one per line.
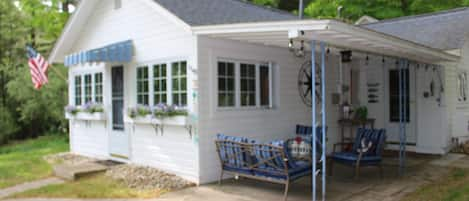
<point>22,161</point>
<point>98,186</point>
<point>454,187</point>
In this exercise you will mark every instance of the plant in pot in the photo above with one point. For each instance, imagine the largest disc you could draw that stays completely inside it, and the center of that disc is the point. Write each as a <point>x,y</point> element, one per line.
<point>71,109</point>
<point>361,113</point>
<point>93,108</point>
<point>164,111</point>
<point>139,111</point>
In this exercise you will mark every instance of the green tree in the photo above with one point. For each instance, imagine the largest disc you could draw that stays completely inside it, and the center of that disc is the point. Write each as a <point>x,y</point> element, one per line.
<point>380,9</point>
<point>37,23</point>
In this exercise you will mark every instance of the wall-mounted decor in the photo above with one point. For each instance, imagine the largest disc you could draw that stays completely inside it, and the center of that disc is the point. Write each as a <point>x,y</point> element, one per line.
<point>305,84</point>
<point>373,90</point>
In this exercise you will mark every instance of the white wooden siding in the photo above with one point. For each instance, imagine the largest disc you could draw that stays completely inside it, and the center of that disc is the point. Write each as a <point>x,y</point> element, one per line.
<point>457,109</point>
<point>89,138</point>
<point>155,38</point>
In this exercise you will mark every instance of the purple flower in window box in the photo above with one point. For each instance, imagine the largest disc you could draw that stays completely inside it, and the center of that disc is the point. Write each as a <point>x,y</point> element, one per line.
<point>139,111</point>
<point>71,109</point>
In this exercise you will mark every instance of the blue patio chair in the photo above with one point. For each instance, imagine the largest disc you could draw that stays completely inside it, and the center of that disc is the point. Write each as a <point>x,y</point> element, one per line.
<point>306,133</point>
<point>367,150</point>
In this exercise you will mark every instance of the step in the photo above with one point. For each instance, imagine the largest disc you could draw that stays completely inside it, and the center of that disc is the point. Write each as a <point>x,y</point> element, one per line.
<point>73,172</point>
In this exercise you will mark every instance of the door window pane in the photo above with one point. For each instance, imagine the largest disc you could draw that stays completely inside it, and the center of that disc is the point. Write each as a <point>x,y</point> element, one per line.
<point>226,83</point>
<point>394,95</point>
<point>117,98</point>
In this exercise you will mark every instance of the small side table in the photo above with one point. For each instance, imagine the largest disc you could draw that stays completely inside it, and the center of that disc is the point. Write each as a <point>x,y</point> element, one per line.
<point>351,124</point>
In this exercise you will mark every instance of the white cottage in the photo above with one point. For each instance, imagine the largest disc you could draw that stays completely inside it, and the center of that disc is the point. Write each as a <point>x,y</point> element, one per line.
<point>230,65</point>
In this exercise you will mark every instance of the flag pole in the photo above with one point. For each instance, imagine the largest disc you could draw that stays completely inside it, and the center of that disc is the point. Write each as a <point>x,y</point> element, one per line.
<point>58,73</point>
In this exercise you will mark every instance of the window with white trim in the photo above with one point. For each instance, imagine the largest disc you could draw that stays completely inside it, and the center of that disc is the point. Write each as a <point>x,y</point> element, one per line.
<point>78,90</point>
<point>142,85</point>
<point>179,83</point>
<point>98,88</point>
<point>226,84</point>
<point>164,82</point>
<point>244,84</point>
<point>159,84</point>
<point>88,88</point>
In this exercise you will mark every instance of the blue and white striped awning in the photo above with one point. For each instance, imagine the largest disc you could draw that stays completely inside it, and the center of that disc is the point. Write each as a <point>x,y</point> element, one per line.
<point>116,52</point>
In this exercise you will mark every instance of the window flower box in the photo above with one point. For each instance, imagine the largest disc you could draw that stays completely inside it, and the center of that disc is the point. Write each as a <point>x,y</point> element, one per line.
<point>175,121</point>
<point>90,112</point>
<point>147,119</point>
<point>97,116</point>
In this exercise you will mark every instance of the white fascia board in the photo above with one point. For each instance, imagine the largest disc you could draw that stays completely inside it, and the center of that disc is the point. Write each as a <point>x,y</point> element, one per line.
<point>81,14</point>
<point>83,7</point>
<point>385,38</point>
<point>304,25</point>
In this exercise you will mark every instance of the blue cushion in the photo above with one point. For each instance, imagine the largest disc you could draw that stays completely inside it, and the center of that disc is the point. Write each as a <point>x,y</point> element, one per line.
<point>351,158</point>
<point>243,170</point>
<point>302,169</point>
<point>227,151</point>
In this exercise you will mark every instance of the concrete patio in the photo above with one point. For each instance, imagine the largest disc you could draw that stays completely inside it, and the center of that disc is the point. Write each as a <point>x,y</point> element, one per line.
<point>421,170</point>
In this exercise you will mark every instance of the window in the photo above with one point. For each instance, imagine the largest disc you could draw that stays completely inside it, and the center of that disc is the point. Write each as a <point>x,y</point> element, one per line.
<point>394,95</point>
<point>164,82</point>
<point>248,84</point>
<point>142,85</point>
<point>179,83</point>
<point>244,84</point>
<point>226,84</point>
<point>462,87</point>
<point>159,84</point>
<point>77,90</point>
<point>88,88</point>
<point>264,78</point>
<point>98,88</point>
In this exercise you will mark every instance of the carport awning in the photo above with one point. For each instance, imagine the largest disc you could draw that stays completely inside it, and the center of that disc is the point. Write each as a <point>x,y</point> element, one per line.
<point>335,33</point>
<point>116,52</point>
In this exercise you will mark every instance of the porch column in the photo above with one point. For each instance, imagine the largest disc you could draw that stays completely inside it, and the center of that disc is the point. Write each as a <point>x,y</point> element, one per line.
<point>313,117</point>
<point>315,124</point>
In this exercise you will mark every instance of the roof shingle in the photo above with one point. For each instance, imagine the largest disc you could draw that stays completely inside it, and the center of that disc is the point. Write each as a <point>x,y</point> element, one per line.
<point>441,30</point>
<point>211,12</point>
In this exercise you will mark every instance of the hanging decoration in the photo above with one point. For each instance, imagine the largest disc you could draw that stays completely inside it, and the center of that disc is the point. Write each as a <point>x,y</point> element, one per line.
<point>305,83</point>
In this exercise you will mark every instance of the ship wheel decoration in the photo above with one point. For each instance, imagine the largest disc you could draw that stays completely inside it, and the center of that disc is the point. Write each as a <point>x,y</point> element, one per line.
<point>305,84</point>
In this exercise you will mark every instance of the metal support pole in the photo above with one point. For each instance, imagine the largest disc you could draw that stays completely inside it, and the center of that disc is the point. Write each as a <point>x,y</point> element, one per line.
<point>402,114</point>
<point>313,116</point>
<point>323,122</point>
<point>405,103</point>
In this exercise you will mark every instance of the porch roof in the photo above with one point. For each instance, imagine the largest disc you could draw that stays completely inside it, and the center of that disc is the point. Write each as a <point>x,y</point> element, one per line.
<point>335,33</point>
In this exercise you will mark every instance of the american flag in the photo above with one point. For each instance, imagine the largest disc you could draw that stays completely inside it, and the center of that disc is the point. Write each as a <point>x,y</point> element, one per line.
<point>38,67</point>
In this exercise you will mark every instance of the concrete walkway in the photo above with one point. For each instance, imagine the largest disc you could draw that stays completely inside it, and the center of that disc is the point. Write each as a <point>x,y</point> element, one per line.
<point>28,186</point>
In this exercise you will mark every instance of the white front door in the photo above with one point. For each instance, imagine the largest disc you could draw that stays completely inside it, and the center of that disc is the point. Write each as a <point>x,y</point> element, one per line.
<point>392,106</point>
<point>119,139</point>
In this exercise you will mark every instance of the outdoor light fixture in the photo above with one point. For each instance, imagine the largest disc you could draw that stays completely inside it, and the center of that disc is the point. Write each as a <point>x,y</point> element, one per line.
<point>298,52</point>
<point>290,46</point>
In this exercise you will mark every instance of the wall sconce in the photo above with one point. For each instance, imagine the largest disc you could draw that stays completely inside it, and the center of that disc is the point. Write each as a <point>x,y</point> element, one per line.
<point>298,52</point>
